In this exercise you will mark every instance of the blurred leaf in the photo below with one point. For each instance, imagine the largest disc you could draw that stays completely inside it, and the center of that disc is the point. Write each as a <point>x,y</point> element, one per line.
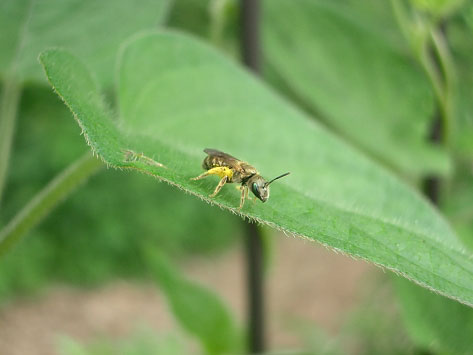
<point>177,96</point>
<point>197,309</point>
<point>93,29</point>
<point>141,342</point>
<point>337,64</point>
<point>315,339</point>
<point>68,346</point>
<point>434,322</point>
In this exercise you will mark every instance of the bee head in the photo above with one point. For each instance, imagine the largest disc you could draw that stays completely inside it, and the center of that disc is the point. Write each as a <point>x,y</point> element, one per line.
<point>260,187</point>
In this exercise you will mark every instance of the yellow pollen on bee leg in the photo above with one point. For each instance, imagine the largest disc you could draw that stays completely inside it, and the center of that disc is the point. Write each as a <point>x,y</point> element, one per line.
<point>221,171</point>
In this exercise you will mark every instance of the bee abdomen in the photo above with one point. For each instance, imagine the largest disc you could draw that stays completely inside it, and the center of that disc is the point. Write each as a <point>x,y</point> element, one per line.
<point>212,162</point>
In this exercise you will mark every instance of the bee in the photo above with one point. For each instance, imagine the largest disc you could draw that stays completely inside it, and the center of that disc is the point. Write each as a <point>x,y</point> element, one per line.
<point>231,169</point>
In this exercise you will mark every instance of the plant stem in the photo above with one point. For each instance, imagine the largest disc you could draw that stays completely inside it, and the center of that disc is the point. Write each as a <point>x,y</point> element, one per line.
<point>255,272</point>
<point>427,40</point>
<point>53,193</point>
<point>437,63</point>
<point>446,67</point>
<point>251,55</point>
<point>443,126</point>
<point>8,109</point>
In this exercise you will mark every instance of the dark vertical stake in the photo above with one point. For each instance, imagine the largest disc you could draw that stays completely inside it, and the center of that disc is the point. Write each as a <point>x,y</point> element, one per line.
<point>255,280</point>
<point>250,47</point>
<point>250,39</point>
<point>432,183</point>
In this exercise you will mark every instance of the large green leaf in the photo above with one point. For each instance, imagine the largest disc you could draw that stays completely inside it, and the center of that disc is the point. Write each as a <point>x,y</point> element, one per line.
<point>178,96</point>
<point>354,72</point>
<point>93,29</point>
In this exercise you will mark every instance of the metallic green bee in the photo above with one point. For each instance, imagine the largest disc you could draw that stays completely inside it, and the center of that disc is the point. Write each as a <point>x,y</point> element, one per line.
<point>231,169</point>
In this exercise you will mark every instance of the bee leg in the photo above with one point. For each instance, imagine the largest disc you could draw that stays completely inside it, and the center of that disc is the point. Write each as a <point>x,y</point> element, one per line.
<point>220,171</point>
<point>201,176</point>
<point>219,186</point>
<point>244,194</point>
<point>248,194</point>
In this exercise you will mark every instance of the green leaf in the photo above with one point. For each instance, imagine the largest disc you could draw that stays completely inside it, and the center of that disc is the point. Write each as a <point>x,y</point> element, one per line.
<point>197,309</point>
<point>68,346</point>
<point>434,322</point>
<point>355,74</point>
<point>140,342</point>
<point>93,29</point>
<point>178,96</point>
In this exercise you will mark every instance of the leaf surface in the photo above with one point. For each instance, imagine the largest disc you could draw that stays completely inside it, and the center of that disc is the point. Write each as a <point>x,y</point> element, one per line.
<point>177,96</point>
<point>91,29</point>
<point>356,75</point>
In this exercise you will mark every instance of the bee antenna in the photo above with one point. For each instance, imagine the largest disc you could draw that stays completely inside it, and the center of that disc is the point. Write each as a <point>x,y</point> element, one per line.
<point>278,177</point>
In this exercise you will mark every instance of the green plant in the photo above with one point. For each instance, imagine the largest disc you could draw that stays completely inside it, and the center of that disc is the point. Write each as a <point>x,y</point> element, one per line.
<point>376,74</point>
<point>141,342</point>
<point>410,243</point>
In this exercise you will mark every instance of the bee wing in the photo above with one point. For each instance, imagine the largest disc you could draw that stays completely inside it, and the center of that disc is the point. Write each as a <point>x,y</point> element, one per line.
<point>218,153</point>
<point>244,169</point>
